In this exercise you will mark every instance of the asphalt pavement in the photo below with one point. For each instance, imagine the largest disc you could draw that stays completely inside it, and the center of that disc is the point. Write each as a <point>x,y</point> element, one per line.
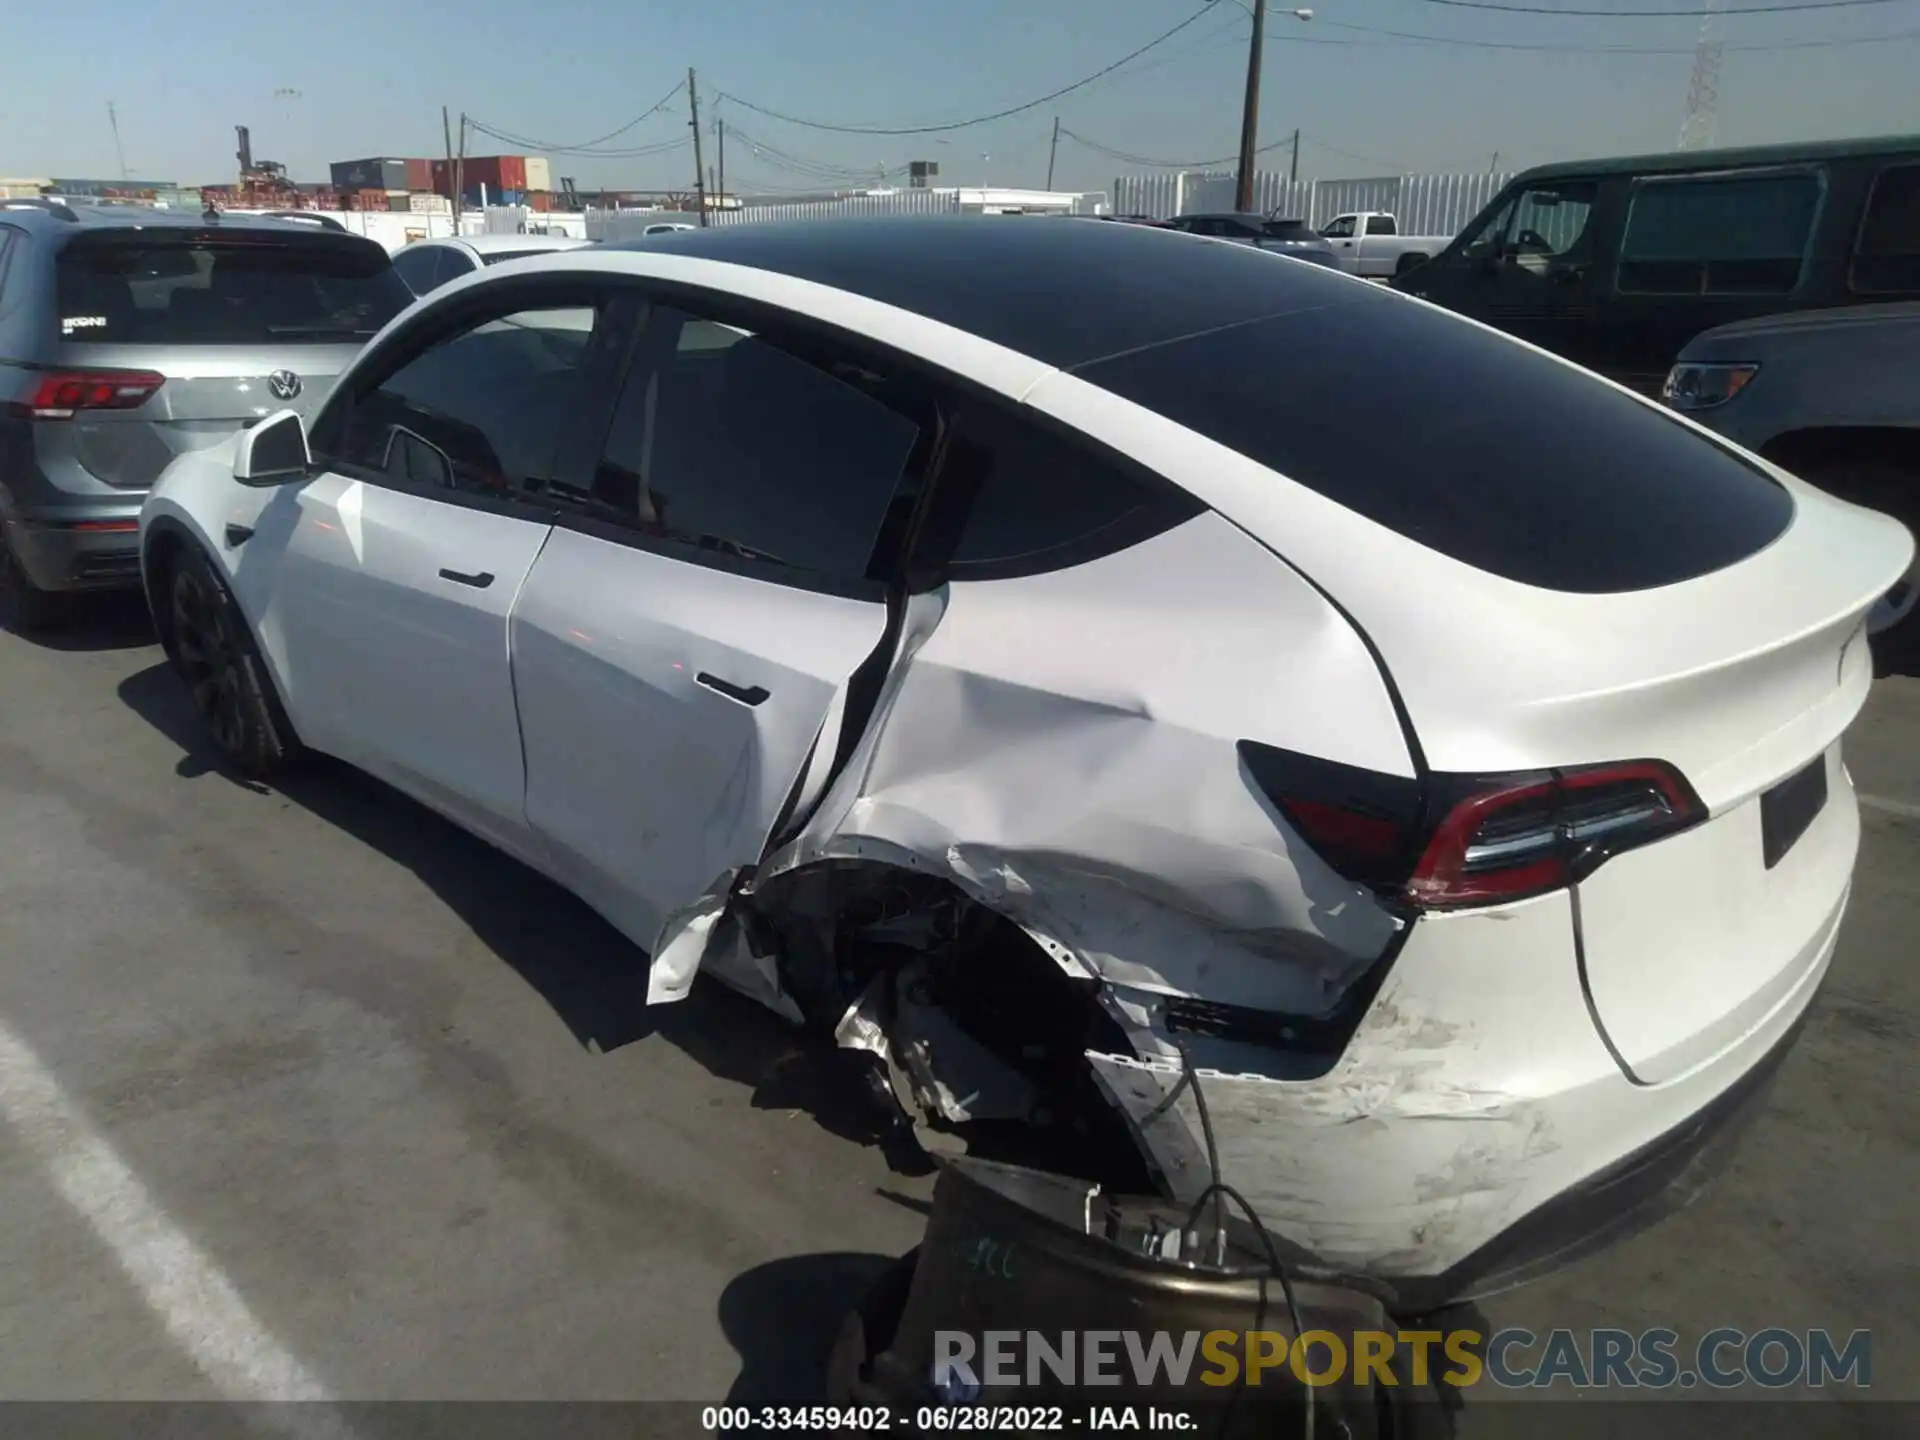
<point>303,1092</point>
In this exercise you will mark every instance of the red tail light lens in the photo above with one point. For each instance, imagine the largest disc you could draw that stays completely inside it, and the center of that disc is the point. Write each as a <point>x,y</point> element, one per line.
<point>1453,841</point>
<point>1506,841</point>
<point>64,393</point>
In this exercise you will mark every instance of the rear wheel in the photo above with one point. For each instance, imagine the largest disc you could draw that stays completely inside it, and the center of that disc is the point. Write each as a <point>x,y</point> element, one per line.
<point>24,606</point>
<point>213,651</point>
<point>1893,487</point>
<point>1412,260</point>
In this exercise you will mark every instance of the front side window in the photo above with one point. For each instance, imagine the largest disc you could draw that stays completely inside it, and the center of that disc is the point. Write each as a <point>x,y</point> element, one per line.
<point>1886,258</point>
<point>725,442</point>
<point>1550,224</point>
<point>480,412</point>
<point>1734,235</point>
<point>1484,238</point>
<point>1340,229</point>
<point>148,288</point>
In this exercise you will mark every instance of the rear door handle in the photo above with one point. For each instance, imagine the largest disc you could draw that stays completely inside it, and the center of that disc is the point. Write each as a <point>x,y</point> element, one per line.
<point>479,582</point>
<point>746,695</point>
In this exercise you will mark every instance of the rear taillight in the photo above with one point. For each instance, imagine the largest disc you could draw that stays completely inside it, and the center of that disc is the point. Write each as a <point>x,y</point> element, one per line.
<point>1460,840</point>
<point>1511,839</point>
<point>64,393</point>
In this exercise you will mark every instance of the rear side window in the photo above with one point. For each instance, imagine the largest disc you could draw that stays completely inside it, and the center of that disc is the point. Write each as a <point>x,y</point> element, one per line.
<point>416,265</point>
<point>729,444</point>
<point>1887,257</point>
<point>1034,495</point>
<point>218,290</point>
<point>1464,441</point>
<point>1381,225</point>
<point>1741,235</point>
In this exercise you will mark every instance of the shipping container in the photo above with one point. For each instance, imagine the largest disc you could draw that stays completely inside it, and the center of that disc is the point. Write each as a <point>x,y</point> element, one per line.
<point>419,175</point>
<point>374,174</point>
<point>542,201</point>
<point>496,172</point>
<point>539,174</point>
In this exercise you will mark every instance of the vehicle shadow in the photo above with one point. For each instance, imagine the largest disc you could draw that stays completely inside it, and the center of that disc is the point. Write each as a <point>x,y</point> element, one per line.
<point>782,1317</point>
<point>111,620</point>
<point>592,976</point>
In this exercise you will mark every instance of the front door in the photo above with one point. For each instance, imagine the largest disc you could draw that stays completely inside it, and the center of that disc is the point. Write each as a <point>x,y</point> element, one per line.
<point>397,567</point>
<point>686,643</point>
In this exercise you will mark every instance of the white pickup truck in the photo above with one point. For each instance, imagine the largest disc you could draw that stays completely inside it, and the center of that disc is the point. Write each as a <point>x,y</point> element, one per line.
<point>1368,243</point>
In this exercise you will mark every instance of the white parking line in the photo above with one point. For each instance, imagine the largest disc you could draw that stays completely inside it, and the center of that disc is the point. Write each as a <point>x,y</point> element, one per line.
<point>200,1308</point>
<point>1906,809</point>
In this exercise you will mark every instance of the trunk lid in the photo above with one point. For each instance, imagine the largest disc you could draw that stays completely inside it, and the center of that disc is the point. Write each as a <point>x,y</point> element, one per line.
<point>240,323</point>
<point>1743,679</point>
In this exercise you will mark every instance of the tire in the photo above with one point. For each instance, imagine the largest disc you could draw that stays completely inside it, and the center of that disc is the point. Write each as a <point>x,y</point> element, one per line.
<point>1887,485</point>
<point>25,608</point>
<point>1410,261</point>
<point>212,650</point>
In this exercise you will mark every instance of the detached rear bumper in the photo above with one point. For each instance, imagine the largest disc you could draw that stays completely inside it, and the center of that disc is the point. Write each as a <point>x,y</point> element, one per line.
<point>87,551</point>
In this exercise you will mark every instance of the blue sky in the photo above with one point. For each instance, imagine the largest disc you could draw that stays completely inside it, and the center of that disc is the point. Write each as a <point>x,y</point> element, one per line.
<point>372,77</point>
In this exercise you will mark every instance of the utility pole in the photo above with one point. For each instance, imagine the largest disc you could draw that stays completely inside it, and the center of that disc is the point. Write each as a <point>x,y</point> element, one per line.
<point>699,168</point>
<point>113,119</point>
<point>446,134</point>
<point>1053,150</point>
<point>1494,163</point>
<point>1293,168</point>
<point>720,132</point>
<point>460,176</point>
<point>1250,114</point>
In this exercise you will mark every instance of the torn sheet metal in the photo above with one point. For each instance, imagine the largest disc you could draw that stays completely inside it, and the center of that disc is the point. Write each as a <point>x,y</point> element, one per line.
<point>706,935</point>
<point>932,1064</point>
<point>1064,752</point>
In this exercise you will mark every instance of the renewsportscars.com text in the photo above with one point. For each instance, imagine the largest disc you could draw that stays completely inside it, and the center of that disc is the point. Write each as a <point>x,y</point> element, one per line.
<point>1654,1359</point>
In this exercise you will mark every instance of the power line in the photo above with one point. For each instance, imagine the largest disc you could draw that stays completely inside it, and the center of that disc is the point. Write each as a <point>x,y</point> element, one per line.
<point>1788,7</point>
<point>1161,39</point>
<point>1563,49</point>
<point>586,146</point>
<point>1152,163</point>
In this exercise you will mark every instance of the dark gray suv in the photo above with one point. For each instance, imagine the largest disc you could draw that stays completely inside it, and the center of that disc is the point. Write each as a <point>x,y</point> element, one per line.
<point>129,335</point>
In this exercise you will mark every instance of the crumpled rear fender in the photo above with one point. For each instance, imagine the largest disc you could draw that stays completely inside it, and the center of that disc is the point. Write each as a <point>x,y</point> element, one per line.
<point>1061,747</point>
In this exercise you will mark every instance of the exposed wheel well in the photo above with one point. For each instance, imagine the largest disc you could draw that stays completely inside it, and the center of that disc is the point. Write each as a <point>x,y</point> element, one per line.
<point>903,942</point>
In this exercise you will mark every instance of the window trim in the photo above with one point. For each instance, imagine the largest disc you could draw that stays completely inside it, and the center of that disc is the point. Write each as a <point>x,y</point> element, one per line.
<point>457,315</point>
<point>1818,173</point>
<point>1859,233</point>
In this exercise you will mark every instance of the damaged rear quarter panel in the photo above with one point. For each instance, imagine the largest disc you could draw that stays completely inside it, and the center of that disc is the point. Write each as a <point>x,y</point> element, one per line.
<point>1062,747</point>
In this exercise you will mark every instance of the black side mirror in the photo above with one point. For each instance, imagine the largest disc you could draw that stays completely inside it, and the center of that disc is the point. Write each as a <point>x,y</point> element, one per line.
<point>273,452</point>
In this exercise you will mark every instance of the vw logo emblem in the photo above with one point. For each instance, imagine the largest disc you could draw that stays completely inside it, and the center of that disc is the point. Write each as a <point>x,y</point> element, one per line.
<point>284,384</point>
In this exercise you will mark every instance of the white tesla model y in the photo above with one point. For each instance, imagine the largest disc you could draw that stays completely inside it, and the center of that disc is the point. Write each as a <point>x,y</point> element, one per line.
<point>1050,656</point>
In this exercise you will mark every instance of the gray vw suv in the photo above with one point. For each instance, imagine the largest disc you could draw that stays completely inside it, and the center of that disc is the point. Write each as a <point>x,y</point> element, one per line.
<point>131,334</point>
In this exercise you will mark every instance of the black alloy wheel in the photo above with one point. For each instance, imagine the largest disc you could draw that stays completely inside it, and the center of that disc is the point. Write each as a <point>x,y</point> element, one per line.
<point>215,655</point>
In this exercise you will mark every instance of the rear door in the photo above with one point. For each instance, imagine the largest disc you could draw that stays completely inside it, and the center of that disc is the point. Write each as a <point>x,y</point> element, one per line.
<point>238,323</point>
<point>685,646</point>
<point>386,582</point>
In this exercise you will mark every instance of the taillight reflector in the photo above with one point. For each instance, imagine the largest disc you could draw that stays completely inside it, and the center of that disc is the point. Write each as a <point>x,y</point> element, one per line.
<point>64,393</point>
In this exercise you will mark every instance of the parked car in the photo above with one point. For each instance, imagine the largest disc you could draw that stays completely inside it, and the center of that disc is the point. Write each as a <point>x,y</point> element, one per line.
<point>667,227</point>
<point>131,335</point>
<point>1285,237</point>
<point>1369,243</point>
<point>426,265</point>
<point>1616,264</point>
<point>1023,688</point>
<point>1830,395</point>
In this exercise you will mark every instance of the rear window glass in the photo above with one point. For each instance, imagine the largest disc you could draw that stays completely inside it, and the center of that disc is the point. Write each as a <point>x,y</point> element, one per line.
<point>1464,441</point>
<point>216,291</point>
<point>500,257</point>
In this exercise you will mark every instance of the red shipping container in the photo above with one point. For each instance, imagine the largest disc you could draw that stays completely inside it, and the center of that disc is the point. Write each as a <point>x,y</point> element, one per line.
<point>419,175</point>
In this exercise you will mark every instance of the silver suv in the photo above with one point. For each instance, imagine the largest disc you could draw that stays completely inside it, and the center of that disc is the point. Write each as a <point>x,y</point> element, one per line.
<point>129,335</point>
